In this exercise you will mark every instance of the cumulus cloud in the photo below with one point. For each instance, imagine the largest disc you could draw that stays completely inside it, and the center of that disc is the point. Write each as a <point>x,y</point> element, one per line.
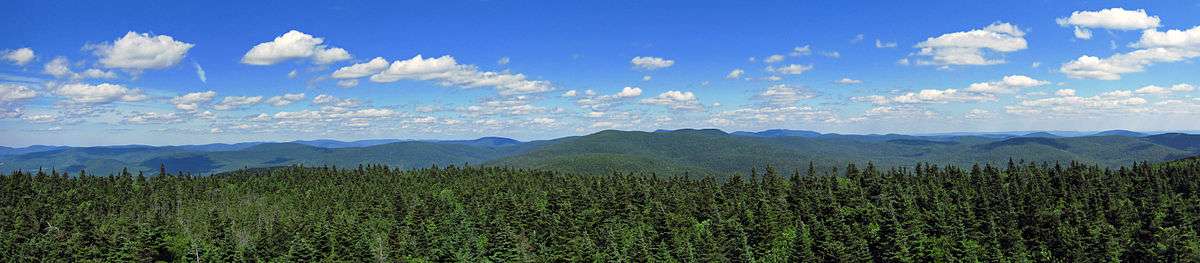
<point>591,101</point>
<point>927,96</point>
<point>771,115</point>
<point>1153,47</point>
<point>676,100</point>
<point>1152,89</point>
<point>969,47</point>
<point>773,58</point>
<point>651,63</point>
<point>793,69</point>
<point>448,72</point>
<point>515,105</point>
<point>19,57</point>
<point>325,99</point>
<point>796,52</point>
<point>58,67</point>
<point>153,118</point>
<point>1065,92</point>
<point>1009,84</point>
<point>1067,103</point>
<point>347,83</point>
<point>784,95</point>
<point>359,70</point>
<point>237,102</point>
<point>41,118</point>
<point>848,81</point>
<point>97,74</point>
<point>629,92</point>
<point>294,45</point>
<point>15,92</point>
<point>1111,19</point>
<point>285,99</point>
<point>135,52</point>
<point>570,93</point>
<point>98,94</point>
<point>544,121</point>
<point>735,73</point>
<point>192,101</point>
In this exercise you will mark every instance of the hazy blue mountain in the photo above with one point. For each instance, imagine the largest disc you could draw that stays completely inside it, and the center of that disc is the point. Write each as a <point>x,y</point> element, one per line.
<point>343,144</point>
<point>1187,142</point>
<point>779,133</point>
<point>1040,135</point>
<point>218,146</point>
<point>30,149</point>
<point>664,152</point>
<point>1120,133</point>
<point>485,142</point>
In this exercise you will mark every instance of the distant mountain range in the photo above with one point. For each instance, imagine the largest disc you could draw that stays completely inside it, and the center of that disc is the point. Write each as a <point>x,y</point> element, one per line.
<point>664,152</point>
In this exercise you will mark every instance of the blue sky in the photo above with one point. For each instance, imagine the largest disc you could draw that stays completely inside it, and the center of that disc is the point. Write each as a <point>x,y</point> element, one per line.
<point>127,72</point>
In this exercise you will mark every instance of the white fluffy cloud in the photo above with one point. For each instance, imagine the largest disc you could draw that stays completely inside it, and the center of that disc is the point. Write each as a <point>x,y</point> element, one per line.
<point>294,45</point>
<point>793,69</point>
<point>325,99</point>
<point>651,63</point>
<point>593,102</point>
<point>362,69</point>
<point>153,118</point>
<point>237,102</point>
<point>735,73</point>
<point>677,100</point>
<point>19,57</point>
<point>629,92</point>
<point>1154,47</point>
<point>928,96</point>
<point>136,52</point>
<point>770,116</point>
<point>848,81</point>
<point>1009,84</point>
<point>98,94</point>
<point>285,99</point>
<point>798,51</point>
<point>448,72</point>
<point>784,95</point>
<point>1065,92</point>
<point>15,92</point>
<point>1152,89</point>
<point>969,47</point>
<point>192,101</point>
<point>347,83</point>
<point>1067,103</point>
<point>1111,19</point>
<point>773,58</point>
<point>58,67</point>
<point>98,74</point>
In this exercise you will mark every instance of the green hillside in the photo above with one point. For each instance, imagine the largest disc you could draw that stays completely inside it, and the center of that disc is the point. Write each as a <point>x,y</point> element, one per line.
<point>697,152</point>
<point>716,153</point>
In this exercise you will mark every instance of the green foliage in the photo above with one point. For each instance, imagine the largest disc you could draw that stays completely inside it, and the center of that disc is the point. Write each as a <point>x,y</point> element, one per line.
<point>1024,212</point>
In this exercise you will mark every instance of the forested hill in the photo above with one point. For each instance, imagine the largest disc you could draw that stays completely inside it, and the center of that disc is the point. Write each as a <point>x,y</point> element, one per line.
<point>1015,212</point>
<point>697,152</point>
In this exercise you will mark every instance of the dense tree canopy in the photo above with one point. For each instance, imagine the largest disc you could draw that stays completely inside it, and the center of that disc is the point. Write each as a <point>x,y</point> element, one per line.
<point>1021,212</point>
